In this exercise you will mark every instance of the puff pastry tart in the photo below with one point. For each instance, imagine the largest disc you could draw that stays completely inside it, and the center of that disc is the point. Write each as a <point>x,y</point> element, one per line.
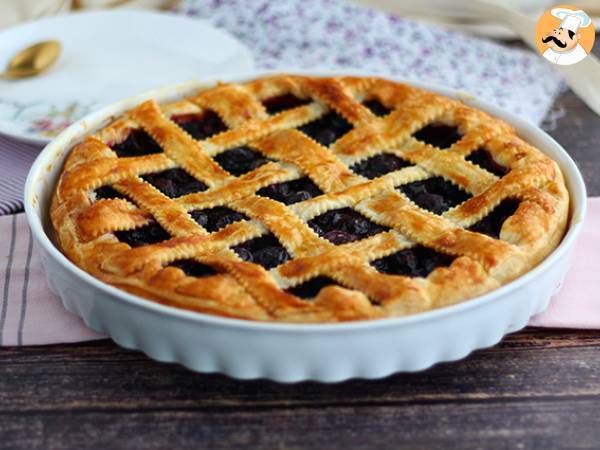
<point>300,199</point>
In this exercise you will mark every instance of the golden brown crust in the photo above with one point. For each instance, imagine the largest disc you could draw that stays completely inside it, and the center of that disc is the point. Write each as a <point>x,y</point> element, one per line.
<point>85,226</point>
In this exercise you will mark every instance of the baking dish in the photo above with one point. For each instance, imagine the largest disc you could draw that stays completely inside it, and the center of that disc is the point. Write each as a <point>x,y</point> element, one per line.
<point>293,352</point>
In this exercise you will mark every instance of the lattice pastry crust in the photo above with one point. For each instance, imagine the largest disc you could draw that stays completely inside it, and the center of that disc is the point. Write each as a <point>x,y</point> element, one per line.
<point>364,284</point>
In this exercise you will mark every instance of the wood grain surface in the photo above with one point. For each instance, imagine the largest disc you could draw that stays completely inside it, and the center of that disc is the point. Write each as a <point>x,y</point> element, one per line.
<point>537,389</point>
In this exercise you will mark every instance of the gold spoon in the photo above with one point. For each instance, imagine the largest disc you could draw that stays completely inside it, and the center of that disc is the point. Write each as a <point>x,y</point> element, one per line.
<point>33,60</point>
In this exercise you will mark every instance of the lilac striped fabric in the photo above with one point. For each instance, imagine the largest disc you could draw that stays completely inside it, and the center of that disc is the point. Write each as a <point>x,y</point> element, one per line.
<point>15,159</point>
<point>29,313</point>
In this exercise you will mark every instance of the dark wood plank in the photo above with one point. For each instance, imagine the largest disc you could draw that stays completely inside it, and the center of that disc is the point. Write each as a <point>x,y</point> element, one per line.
<point>578,131</point>
<point>94,394</point>
<point>517,424</point>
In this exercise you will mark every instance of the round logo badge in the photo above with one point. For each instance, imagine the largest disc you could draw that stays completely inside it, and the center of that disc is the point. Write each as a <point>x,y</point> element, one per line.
<point>565,35</point>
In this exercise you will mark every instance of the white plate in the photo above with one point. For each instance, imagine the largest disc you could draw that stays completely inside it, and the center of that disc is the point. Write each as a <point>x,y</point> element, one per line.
<point>295,352</point>
<point>107,56</point>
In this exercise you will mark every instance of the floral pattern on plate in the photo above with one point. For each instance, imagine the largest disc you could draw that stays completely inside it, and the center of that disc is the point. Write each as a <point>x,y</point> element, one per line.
<point>43,119</point>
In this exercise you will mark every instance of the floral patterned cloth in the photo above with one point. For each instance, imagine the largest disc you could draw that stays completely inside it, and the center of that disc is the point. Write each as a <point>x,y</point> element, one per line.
<point>324,34</point>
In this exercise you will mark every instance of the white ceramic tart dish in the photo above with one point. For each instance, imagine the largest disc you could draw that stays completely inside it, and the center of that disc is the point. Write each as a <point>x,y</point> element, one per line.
<point>377,235</point>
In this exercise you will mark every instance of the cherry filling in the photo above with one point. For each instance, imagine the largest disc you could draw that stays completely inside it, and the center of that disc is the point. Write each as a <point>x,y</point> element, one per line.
<point>240,160</point>
<point>492,223</point>
<point>175,182</point>
<point>377,108</point>
<point>201,126</point>
<point>340,226</point>
<point>264,250</point>
<point>146,235</point>
<point>484,159</point>
<point>379,165</point>
<point>289,192</point>
<point>438,135</point>
<point>275,105</point>
<point>327,129</point>
<point>312,287</point>
<point>107,192</point>
<point>434,194</point>
<point>193,268</point>
<point>137,143</point>
<point>214,219</point>
<point>418,261</point>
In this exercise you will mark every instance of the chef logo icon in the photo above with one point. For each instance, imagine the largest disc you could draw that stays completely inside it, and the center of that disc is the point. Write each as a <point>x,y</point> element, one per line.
<point>565,35</point>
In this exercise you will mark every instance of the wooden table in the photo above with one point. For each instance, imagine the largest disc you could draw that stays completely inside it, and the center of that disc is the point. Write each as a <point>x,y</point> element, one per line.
<point>536,389</point>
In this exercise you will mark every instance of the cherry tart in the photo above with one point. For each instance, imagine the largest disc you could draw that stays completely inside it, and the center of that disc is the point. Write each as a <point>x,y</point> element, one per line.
<point>301,199</point>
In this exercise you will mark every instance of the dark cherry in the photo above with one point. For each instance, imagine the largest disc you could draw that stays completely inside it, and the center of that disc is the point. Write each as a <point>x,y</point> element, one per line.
<point>484,159</point>
<point>274,105</point>
<point>340,226</point>
<point>213,219</point>
<point>193,268</point>
<point>244,253</point>
<point>264,250</point>
<point>312,287</point>
<point>377,108</point>
<point>379,165</point>
<point>107,192</point>
<point>327,129</point>
<point>492,223</point>
<point>175,182</point>
<point>438,135</point>
<point>339,237</point>
<point>201,126</point>
<point>289,192</point>
<point>137,143</point>
<point>434,194</point>
<point>240,160</point>
<point>418,261</point>
<point>146,235</point>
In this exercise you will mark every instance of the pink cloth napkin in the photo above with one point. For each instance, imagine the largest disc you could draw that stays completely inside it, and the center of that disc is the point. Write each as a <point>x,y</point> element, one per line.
<point>31,315</point>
